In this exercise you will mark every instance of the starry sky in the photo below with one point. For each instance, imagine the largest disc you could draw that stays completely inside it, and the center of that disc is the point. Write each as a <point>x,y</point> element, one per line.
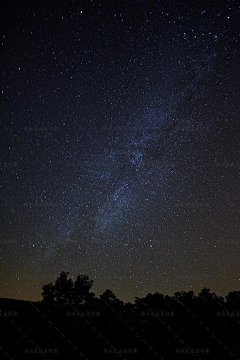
<point>120,137</point>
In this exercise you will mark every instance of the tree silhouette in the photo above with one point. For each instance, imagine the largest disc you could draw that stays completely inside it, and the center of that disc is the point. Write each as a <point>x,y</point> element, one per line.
<point>65,292</point>
<point>110,298</point>
<point>81,291</point>
<point>63,289</point>
<point>48,293</point>
<point>152,301</point>
<point>187,299</point>
<point>233,300</point>
<point>184,315</point>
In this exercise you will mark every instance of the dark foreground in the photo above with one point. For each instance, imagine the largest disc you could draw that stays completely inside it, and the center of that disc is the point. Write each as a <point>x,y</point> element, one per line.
<point>161,327</point>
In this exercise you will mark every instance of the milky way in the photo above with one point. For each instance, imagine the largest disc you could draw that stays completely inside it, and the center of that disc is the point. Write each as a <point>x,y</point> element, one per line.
<point>120,146</point>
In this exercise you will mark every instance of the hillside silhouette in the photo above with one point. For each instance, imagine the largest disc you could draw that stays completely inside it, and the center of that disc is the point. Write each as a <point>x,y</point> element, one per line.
<point>72,323</point>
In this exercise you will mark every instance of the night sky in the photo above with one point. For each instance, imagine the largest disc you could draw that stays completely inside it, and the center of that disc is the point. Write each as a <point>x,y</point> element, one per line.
<point>120,138</point>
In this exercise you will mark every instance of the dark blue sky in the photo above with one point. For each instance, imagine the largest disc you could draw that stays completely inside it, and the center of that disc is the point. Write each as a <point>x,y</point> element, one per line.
<point>120,145</point>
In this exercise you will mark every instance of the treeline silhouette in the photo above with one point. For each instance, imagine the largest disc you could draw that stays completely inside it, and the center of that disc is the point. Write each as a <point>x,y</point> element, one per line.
<point>71,322</point>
